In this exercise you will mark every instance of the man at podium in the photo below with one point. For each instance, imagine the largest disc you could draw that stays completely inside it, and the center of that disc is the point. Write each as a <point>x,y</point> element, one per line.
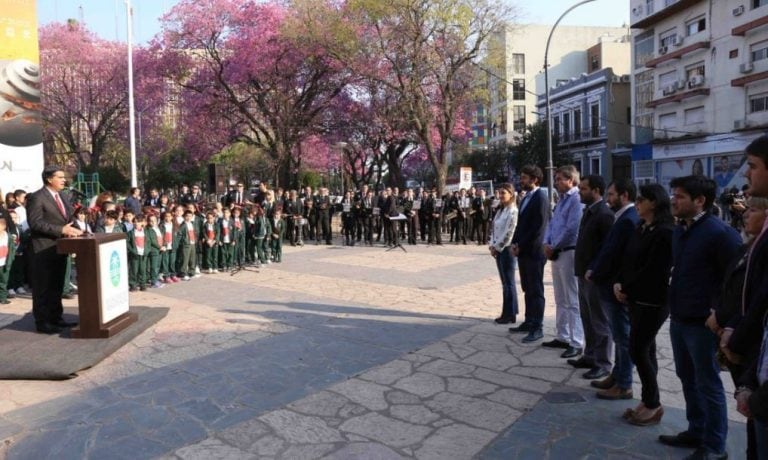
<point>49,215</point>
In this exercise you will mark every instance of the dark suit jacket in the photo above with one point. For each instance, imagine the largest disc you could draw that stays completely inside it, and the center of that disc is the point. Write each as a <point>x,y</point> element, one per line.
<point>645,265</point>
<point>531,224</point>
<point>45,219</point>
<point>593,230</point>
<point>608,262</point>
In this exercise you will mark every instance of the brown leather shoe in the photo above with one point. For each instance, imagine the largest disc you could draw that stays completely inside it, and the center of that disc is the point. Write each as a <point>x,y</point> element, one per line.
<point>615,393</point>
<point>648,418</point>
<point>604,384</point>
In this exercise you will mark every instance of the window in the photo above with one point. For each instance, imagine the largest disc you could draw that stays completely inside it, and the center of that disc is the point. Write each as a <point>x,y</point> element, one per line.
<point>518,90</point>
<point>557,126</point>
<point>594,165</point>
<point>566,127</point>
<point>733,54</point>
<point>480,115</point>
<point>694,70</point>
<point>759,3</point>
<point>668,120</point>
<point>644,48</point>
<point>758,103</point>
<point>577,124</point>
<point>594,122</point>
<point>667,79</point>
<point>577,164</point>
<point>694,116</point>
<point>518,118</point>
<point>759,51</point>
<point>518,63</point>
<point>649,7</point>
<point>695,26</point>
<point>594,63</point>
<point>562,82</point>
<point>666,38</point>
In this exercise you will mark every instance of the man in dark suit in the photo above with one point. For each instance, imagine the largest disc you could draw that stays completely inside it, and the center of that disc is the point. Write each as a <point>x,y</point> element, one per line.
<point>237,196</point>
<point>621,199</point>
<point>153,200</point>
<point>527,243</point>
<point>50,218</point>
<point>595,224</point>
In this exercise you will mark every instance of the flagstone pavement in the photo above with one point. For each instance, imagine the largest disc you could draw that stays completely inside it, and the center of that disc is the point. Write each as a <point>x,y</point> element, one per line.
<point>336,353</point>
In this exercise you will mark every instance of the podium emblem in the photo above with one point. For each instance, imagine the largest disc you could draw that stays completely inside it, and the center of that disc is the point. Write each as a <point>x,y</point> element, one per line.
<point>114,268</point>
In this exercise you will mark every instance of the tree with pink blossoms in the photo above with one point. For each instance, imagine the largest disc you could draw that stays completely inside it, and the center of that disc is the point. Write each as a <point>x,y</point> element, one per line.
<point>84,94</point>
<point>259,86</point>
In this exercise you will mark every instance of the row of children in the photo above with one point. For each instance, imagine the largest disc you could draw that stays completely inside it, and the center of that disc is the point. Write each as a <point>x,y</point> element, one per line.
<point>180,244</point>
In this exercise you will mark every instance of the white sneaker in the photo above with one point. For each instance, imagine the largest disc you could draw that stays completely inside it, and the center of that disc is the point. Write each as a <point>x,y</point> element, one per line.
<point>215,271</point>
<point>198,275</point>
<point>210,270</point>
<point>21,291</point>
<point>197,270</point>
<point>186,278</point>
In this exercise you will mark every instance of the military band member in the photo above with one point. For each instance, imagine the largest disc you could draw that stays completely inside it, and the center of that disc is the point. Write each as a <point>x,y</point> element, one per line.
<point>292,211</point>
<point>412,216</point>
<point>348,219</point>
<point>481,213</point>
<point>366,213</point>
<point>360,224</point>
<point>323,207</point>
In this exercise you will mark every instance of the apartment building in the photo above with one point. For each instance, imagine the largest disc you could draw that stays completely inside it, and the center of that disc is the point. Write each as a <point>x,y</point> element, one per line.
<point>700,86</point>
<point>514,74</point>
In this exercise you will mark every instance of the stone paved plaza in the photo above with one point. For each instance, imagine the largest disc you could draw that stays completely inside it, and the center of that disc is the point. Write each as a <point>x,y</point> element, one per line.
<point>336,353</point>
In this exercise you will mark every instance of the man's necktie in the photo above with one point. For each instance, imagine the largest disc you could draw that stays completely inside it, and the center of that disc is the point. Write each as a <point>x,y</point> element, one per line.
<point>60,205</point>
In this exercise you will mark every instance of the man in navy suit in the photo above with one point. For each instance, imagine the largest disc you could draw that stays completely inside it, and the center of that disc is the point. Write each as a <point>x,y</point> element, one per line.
<point>527,247</point>
<point>620,197</point>
<point>50,217</point>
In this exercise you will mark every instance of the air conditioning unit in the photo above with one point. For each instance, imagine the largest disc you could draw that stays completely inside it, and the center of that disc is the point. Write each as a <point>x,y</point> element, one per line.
<point>678,40</point>
<point>626,78</point>
<point>746,67</point>
<point>696,81</point>
<point>663,50</point>
<point>669,90</point>
<point>680,85</point>
<point>738,11</point>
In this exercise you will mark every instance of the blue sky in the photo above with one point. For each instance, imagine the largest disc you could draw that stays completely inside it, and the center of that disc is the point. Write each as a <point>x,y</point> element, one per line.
<point>107,17</point>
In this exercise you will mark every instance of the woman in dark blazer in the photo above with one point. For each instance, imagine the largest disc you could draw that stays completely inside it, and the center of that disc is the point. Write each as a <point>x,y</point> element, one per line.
<point>642,283</point>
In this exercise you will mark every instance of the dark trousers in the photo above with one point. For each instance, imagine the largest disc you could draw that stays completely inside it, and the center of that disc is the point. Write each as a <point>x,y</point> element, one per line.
<point>48,269</point>
<point>644,324</point>
<point>532,283</point>
<point>480,231</point>
<point>505,264</point>
<point>325,226</point>
<point>413,224</point>
<point>434,230</point>
<point>597,330</point>
<point>694,347</point>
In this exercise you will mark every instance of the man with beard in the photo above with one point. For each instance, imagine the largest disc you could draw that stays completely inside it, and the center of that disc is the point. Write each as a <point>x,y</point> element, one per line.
<point>621,199</point>
<point>593,229</point>
<point>527,244</point>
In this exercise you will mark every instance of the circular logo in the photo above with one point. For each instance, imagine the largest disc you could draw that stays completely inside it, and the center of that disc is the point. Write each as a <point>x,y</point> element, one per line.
<point>114,268</point>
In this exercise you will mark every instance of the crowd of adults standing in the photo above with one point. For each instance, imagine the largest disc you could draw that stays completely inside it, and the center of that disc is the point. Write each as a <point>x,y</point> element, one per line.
<point>623,262</point>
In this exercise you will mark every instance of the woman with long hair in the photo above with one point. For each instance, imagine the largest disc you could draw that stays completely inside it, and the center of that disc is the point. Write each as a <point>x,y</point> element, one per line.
<point>504,224</point>
<point>642,283</point>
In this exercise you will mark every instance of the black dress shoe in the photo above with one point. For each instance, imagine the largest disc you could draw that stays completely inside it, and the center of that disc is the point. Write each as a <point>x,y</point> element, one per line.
<point>533,336</point>
<point>525,327</point>
<point>571,352</point>
<point>595,373</point>
<point>683,439</point>
<point>48,328</point>
<point>502,320</point>
<point>703,454</point>
<point>554,343</point>
<point>580,363</point>
<point>65,324</point>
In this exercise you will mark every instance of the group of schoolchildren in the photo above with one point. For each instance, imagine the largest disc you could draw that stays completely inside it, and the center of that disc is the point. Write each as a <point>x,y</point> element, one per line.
<point>171,246</point>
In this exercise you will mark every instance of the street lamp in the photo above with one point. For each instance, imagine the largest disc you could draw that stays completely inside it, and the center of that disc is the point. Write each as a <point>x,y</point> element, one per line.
<point>550,165</point>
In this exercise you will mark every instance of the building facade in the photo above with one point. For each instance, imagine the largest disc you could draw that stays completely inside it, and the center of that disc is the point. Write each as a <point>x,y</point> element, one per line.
<point>514,75</point>
<point>700,86</point>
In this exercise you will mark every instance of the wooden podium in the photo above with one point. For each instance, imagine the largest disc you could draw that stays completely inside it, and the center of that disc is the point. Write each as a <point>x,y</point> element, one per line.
<point>102,284</point>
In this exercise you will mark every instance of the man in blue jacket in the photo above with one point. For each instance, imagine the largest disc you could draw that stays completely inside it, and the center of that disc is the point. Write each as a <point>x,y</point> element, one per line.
<point>702,247</point>
<point>527,247</point>
<point>621,198</point>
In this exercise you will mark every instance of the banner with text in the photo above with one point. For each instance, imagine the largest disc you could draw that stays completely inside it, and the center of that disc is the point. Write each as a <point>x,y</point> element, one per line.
<point>21,133</point>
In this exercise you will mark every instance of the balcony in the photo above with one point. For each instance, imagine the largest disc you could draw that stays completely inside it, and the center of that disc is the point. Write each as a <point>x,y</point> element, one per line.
<point>587,135</point>
<point>646,14</point>
<point>744,81</point>
<point>743,29</point>
<point>679,97</point>
<point>677,54</point>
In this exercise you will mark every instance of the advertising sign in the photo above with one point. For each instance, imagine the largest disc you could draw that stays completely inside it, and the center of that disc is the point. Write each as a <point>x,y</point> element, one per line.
<point>21,134</point>
<point>113,271</point>
<point>465,177</point>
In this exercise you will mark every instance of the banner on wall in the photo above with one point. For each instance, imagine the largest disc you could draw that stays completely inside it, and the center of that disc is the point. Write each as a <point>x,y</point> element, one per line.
<point>729,172</point>
<point>21,133</point>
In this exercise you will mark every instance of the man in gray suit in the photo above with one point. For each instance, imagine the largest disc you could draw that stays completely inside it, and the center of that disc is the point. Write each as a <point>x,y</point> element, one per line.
<point>49,214</point>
